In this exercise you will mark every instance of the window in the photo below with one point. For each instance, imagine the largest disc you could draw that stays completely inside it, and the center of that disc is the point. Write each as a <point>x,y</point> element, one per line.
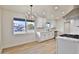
<point>30,25</point>
<point>19,26</point>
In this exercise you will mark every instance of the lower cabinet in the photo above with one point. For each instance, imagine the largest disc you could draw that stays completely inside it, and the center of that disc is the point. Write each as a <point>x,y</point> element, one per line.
<point>44,36</point>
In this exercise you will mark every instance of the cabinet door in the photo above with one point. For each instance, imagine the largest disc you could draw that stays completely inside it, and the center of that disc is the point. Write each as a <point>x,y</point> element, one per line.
<point>66,46</point>
<point>43,35</point>
<point>67,27</point>
<point>77,26</point>
<point>40,22</point>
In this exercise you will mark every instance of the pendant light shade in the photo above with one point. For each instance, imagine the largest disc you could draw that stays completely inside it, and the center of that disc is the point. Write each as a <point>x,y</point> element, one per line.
<point>30,16</point>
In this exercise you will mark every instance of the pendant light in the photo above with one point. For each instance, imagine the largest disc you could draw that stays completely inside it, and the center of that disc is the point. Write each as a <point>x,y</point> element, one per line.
<point>31,15</point>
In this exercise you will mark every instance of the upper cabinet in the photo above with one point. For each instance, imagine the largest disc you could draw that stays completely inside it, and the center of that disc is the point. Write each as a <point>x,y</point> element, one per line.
<point>40,22</point>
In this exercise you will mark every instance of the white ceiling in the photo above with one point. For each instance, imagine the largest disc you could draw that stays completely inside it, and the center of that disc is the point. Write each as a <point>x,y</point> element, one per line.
<point>49,11</point>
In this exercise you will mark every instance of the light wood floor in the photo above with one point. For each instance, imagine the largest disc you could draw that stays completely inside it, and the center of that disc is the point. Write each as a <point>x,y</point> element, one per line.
<point>46,47</point>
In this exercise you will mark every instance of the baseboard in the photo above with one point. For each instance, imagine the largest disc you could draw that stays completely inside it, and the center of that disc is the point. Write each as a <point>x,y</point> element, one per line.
<point>14,45</point>
<point>17,45</point>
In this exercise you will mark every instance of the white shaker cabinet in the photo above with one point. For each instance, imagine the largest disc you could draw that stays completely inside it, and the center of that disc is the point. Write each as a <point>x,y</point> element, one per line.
<point>42,36</point>
<point>40,22</point>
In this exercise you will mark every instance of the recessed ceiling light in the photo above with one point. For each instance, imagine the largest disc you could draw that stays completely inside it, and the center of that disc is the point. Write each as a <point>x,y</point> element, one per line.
<point>63,12</point>
<point>56,7</point>
<point>44,13</point>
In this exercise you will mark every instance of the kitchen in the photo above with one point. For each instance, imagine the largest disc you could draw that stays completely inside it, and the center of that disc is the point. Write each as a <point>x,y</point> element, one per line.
<point>40,30</point>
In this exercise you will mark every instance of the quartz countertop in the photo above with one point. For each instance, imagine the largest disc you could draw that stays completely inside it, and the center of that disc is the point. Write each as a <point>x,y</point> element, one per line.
<point>67,38</point>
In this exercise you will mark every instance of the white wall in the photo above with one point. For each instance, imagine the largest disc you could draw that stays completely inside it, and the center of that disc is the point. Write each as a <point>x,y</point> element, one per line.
<point>8,38</point>
<point>60,25</point>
